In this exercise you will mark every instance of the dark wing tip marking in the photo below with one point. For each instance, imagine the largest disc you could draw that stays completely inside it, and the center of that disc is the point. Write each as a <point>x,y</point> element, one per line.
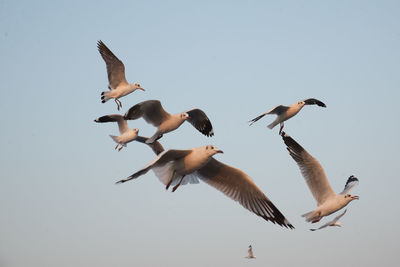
<point>201,122</point>
<point>351,179</point>
<point>256,119</point>
<point>313,101</point>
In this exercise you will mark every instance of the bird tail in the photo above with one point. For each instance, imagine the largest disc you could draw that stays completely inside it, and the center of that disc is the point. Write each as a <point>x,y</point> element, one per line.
<point>311,216</point>
<point>105,96</point>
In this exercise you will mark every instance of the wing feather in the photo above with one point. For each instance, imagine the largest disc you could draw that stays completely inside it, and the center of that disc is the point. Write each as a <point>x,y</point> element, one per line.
<point>200,121</point>
<point>311,170</point>
<point>151,111</point>
<point>115,67</point>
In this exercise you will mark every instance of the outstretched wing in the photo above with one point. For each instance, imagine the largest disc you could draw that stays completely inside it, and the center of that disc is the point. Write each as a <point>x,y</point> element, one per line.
<point>240,187</point>
<point>115,67</point>
<point>151,111</point>
<point>311,170</point>
<point>162,159</point>
<point>350,184</point>
<point>200,121</point>
<point>122,124</point>
<point>278,110</point>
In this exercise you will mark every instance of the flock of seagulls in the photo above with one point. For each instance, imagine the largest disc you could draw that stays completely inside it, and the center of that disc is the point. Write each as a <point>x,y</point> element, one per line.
<point>179,167</point>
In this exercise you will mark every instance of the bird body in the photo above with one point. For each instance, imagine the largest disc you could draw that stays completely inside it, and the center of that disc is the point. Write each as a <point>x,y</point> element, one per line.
<point>286,112</point>
<point>198,163</point>
<point>118,84</point>
<point>153,112</point>
<point>328,201</point>
<point>250,253</point>
<point>126,134</point>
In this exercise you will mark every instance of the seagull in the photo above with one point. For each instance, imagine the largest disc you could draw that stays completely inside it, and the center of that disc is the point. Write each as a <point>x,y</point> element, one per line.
<point>327,200</point>
<point>286,112</point>
<point>198,163</point>
<point>126,135</point>
<point>251,255</point>
<point>153,112</point>
<point>334,222</point>
<point>118,84</point>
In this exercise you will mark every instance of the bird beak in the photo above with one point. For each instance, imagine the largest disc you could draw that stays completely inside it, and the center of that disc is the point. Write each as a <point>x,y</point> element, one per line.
<point>220,151</point>
<point>141,88</point>
<point>355,197</point>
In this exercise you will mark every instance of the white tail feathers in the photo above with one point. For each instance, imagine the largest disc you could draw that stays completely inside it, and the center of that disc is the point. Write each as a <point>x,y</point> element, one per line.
<point>311,216</point>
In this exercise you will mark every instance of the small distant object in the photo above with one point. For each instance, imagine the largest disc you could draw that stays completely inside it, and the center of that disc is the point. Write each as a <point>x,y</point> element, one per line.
<point>286,112</point>
<point>126,135</point>
<point>327,200</point>
<point>153,112</point>
<point>118,84</point>
<point>334,222</point>
<point>250,253</point>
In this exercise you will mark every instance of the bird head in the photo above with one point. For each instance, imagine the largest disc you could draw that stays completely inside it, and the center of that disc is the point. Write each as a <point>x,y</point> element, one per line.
<point>136,130</point>
<point>185,116</point>
<point>350,197</point>
<point>137,86</point>
<point>212,150</point>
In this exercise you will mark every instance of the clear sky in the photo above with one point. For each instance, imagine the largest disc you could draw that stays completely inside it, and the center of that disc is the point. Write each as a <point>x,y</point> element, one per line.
<point>59,205</point>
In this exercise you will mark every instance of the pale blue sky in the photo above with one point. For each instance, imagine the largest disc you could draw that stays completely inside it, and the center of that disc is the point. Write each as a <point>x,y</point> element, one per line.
<point>233,59</point>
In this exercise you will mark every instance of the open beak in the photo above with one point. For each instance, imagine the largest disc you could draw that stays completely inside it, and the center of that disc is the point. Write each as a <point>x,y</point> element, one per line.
<point>355,197</point>
<point>220,151</point>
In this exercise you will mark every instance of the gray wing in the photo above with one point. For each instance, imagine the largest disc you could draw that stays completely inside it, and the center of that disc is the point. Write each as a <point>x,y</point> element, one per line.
<point>155,146</point>
<point>122,124</point>
<point>200,121</point>
<point>337,218</point>
<point>115,67</point>
<point>313,101</point>
<point>278,110</point>
<point>240,187</point>
<point>162,159</point>
<point>350,184</point>
<point>151,111</point>
<point>311,170</point>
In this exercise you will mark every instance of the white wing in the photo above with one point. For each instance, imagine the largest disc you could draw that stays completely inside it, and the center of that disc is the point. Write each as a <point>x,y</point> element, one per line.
<point>350,184</point>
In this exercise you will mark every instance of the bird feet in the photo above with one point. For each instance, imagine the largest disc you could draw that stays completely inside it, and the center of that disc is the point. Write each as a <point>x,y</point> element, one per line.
<point>119,104</point>
<point>176,186</point>
<point>316,220</point>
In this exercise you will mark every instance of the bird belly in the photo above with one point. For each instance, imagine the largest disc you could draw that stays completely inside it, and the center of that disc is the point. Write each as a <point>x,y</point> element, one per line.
<point>330,207</point>
<point>127,137</point>
<point>169,125</point>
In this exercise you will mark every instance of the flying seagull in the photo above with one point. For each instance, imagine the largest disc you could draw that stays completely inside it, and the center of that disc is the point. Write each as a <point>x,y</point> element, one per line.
<point>118,84</point>
<point>126,135</point>
<point>334,222</point>
<point>286,112</point>
<point>153,112</point>
<point>250,255</point>
<point>173,165</point>
<point>327,200</point>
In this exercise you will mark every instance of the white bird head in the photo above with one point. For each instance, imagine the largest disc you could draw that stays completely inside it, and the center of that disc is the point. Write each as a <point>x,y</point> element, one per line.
<point>136,86</point>
<point>212,150</point>
<point>349,197</point>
